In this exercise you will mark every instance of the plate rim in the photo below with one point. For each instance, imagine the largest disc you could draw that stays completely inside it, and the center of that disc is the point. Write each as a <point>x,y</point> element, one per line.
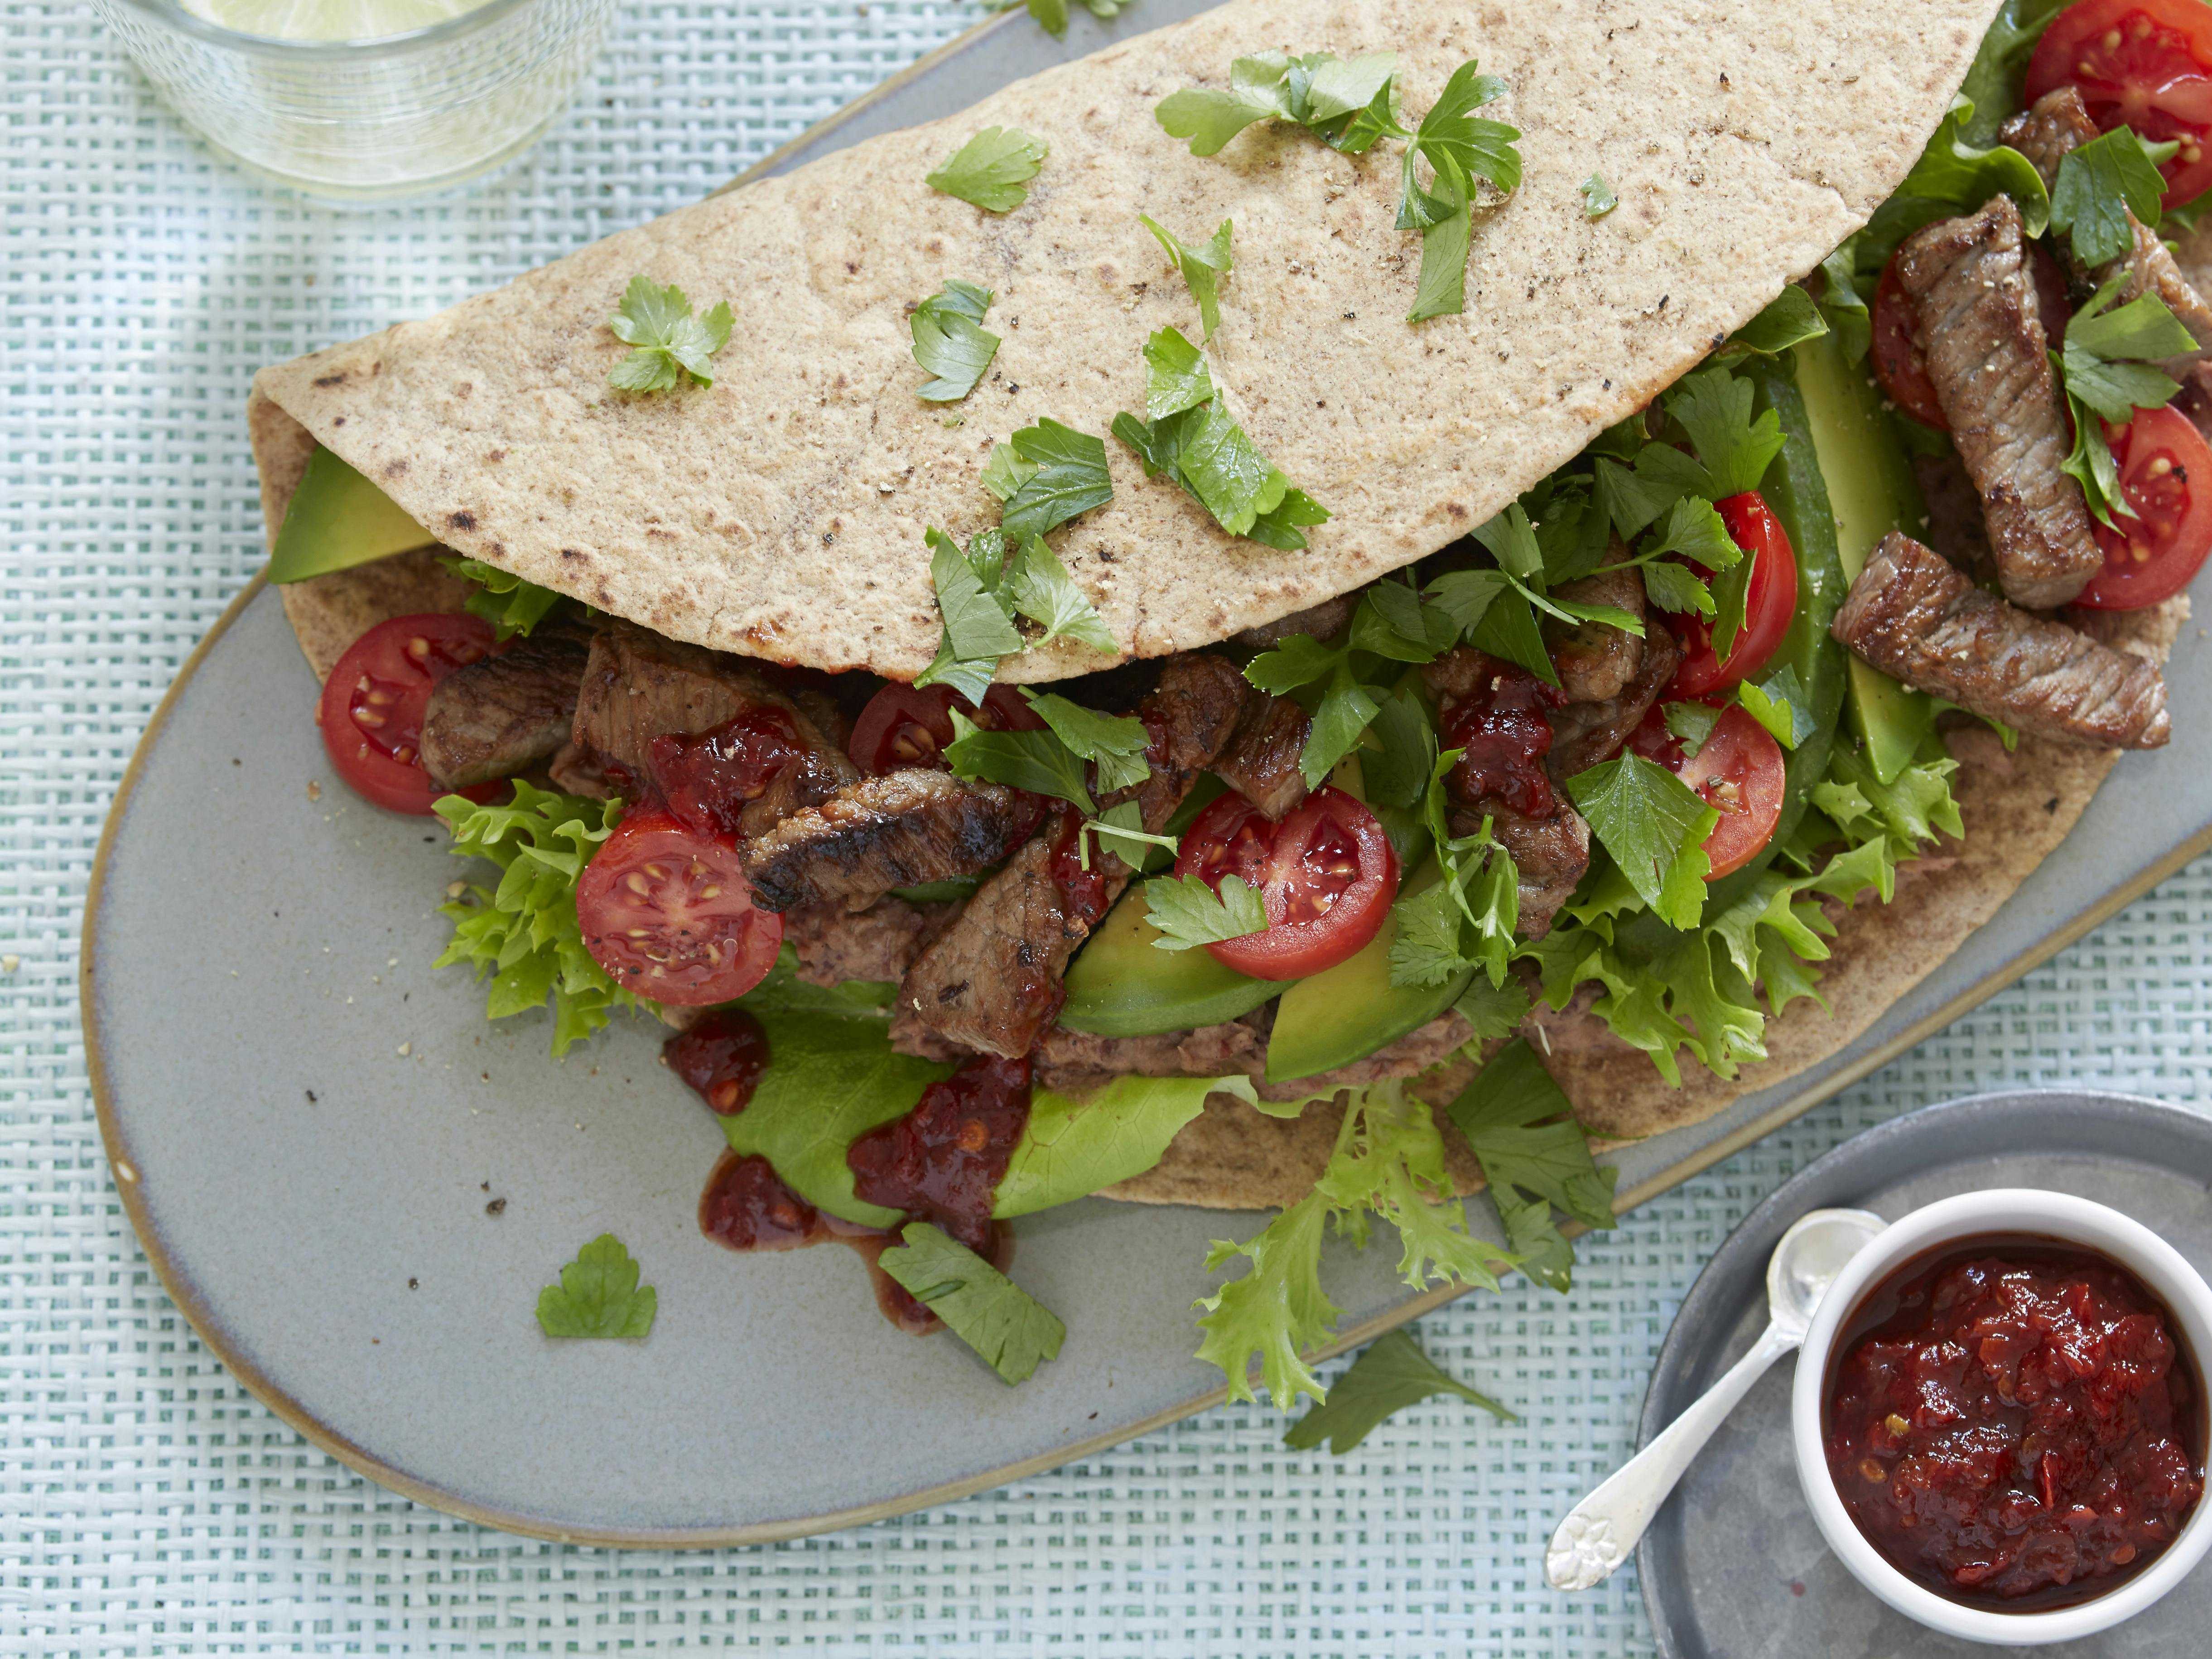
<point>1874,1142</point>
<point>363,1461</point>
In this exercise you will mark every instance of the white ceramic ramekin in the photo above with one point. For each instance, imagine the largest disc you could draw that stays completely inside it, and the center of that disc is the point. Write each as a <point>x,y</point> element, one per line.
<point>2001,1210</point>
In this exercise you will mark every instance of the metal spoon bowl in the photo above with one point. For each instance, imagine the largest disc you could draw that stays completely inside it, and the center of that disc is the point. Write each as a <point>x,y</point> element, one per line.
<point>1600,1531</point>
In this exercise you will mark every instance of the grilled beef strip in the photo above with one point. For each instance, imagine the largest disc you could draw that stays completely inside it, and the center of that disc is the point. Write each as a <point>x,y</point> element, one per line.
<point>638,686</point>
<point>1262,761</point>
<point>1978,326</point>
<point>1596,661</point>
<point>992,981</point>
<point>1585,732</point>
<point>1550,848</point>
<point>900,829</point>
<point>498,716</point>
<point>2058,124</point>
<point>1918,620</point>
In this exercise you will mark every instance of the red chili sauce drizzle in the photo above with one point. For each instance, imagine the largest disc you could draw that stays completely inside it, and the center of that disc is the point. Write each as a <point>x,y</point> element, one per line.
<point>1082,893</point>
<point>1502,728</point>
<point>2015,1422</point>
<point>941,1163</point>
<point>708,777</point>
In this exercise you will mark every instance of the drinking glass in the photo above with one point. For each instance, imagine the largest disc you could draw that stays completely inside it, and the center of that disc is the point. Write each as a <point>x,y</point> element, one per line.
<point>363,120</point>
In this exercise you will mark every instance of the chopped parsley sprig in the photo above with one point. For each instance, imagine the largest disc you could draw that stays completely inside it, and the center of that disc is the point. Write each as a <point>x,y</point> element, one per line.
<point>666,341</point>
<point>1466,919</point>
<point>2107,367</point>
<point>950,341</point>
<point>991,168</point>
<point>1186,913</point>
<point>1010,1331</point>
<point>1353,105</point>
<point>981,591</point>
<point>1392,623</point>
<point>1191,437</point>
<point>2099,185</point>
<point>598,1295</point>
<point>1202,266</point>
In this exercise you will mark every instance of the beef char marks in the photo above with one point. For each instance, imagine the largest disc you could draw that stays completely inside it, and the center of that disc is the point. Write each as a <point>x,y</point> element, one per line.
<point>992,981</point>
<point>2057,125</point>
<point>1918,620</point>
<point>638,688</point>
<point>900,829</point>
<point>499,716</point>
<point>1987,354</point>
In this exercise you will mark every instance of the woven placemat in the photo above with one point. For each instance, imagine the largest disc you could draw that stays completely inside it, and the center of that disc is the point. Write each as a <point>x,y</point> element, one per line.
<point>149,1506</point>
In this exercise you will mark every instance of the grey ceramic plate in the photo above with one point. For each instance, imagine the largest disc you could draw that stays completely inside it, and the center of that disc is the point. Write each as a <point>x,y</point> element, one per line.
<point>337,1252</point>
<point>1734,1567</point>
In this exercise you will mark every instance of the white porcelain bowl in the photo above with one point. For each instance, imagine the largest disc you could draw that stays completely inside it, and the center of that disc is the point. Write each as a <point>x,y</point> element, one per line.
<point>2002,1210</point>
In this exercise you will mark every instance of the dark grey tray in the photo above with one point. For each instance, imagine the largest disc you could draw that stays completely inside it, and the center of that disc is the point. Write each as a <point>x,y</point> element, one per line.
<point>1733,1568</point>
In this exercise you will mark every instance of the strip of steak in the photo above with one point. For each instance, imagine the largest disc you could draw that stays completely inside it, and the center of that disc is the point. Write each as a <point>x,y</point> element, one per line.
<point>499,715</point>
<point>1918,620</point>
<point>639,688</point>
<point>2059,123</point>
<point>992,981</point>
<point>1596,661</point>
<point>900,829</point>
<point>1977,326</point>
<point>1262,761</point>
<point>1585,732</point>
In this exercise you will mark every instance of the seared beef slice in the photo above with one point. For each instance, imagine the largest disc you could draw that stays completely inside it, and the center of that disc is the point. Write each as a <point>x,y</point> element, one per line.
<point>900,830</point>
<point>1920,621</point>
<point>992,981</point>
<point>1987,357</point>
<point>499,715</point>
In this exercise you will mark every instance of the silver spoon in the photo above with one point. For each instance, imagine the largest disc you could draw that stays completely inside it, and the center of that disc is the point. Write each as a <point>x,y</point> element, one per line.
<point>1601,1531</point>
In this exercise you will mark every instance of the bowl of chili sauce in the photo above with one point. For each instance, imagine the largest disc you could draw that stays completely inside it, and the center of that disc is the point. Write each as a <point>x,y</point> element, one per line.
<point>2000,1417</point>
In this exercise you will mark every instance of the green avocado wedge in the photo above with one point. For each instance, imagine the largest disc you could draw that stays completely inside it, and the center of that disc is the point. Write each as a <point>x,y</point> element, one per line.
<point>338,519</point>
<point>1120,984</point>
<point>1351,1010</point>
<point>1871,491</point>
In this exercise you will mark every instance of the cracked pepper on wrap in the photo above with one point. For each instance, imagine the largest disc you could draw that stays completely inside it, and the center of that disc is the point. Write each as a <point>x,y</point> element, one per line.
<point>779,513</point>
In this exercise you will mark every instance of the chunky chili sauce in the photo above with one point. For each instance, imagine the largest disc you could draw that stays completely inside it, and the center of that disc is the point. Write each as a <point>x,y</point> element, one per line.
<point>941,1163</point>
<point>709,776</point>
<point>1502,729</point>
<point>2013,1422</point>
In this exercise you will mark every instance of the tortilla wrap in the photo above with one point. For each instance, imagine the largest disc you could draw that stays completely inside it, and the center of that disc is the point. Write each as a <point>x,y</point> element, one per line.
<point>781,512</point>
<point>496,411</point>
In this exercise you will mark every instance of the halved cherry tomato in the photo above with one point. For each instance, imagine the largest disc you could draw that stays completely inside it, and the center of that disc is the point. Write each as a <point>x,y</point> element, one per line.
<point>1770,603</point>
<point>909,725</point>
<point>1327,876</point>
<point>2165,479</point>
<point>1739,771</point>
<point>372,706</point>
<point>2141,64</point>
<point>668,911</point>
<point>1897,363</point>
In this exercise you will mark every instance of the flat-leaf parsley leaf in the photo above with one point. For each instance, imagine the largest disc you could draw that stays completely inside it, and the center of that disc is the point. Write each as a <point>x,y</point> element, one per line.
<point>950,341</point>
<point>990,169</point>
<point>1391,1375</point>
<point>665,340</point>
<point>1009,1329</point>
<point>598,1295</point>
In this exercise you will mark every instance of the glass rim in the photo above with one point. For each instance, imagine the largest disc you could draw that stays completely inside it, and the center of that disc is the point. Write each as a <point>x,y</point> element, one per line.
<point>172,15</point>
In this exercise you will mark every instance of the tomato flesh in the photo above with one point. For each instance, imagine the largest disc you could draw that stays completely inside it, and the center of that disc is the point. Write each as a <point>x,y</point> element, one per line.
<point>905,725</point>
<point>1326,875</point>
<point>1770,603</point>
<point>2160,541</point>
<point>667,911</point>
<point>373,704</point>
<point>2140,64</point>
<point>1740,772</point>
<point>1897,363</point>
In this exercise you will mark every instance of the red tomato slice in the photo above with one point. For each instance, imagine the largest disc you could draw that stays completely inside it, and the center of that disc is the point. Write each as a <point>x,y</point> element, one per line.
<point>372,706</point>
<point>668,911</point>
<point>1327,876</point>
<point>2165,479</point>
<point>1770,603</point>
<point>2141,64</point>
<point>909,725</point>
<point>1897,363</point>
<point>1740,770</point>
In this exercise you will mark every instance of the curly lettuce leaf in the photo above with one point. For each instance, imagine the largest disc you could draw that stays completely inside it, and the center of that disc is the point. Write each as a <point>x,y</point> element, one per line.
<point>523,934</point>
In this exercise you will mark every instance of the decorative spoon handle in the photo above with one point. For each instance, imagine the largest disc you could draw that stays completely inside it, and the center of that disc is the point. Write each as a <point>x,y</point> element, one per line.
<point>1599,1532</point>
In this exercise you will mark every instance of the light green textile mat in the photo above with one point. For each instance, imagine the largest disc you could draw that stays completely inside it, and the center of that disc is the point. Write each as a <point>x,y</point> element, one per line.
<point>148,1505</point>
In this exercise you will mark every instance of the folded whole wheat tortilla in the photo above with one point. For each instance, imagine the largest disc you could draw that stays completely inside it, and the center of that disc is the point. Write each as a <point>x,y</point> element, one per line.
<point>779,513</point>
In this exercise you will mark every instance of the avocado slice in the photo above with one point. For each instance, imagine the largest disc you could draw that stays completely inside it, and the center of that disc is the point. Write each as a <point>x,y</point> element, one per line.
<point>1351,1010</point>
<point>337,520</point>
<point>1121,985</point>
<point>1871,492</point>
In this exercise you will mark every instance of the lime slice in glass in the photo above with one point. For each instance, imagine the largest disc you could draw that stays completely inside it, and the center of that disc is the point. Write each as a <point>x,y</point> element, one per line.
<point>326,19</point>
